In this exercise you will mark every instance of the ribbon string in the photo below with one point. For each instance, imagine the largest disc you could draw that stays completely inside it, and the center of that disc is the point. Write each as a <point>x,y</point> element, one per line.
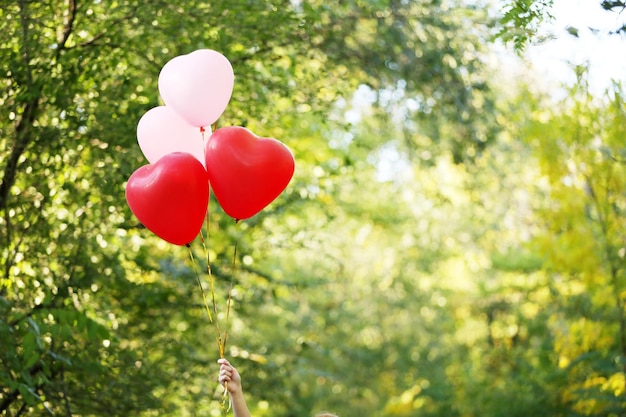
<point>222,335</point>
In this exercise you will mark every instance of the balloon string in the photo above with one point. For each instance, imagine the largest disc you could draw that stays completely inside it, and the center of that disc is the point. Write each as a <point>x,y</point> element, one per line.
<point>221,341</point>
<point>230,291</point>
<point>195,269</point>
<point>223,345</point>
<point>220,338</point>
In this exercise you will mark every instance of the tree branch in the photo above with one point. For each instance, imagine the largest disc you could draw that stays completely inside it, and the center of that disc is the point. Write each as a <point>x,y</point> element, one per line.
<point>23,137</point>
<point>22,134</point>
<point>68,25</point>
<point>66,400</point>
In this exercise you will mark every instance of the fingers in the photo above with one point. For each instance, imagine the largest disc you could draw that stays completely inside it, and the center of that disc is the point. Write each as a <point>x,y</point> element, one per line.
<point>223,361</point>
<point>226,371</point>
<point>226,374</point>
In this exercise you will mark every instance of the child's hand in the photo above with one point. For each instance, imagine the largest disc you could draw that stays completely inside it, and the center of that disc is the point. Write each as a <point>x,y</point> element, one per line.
<point>229,377</point>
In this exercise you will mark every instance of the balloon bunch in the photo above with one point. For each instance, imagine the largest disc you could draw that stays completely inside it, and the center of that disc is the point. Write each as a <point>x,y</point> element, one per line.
<point>246,172</point>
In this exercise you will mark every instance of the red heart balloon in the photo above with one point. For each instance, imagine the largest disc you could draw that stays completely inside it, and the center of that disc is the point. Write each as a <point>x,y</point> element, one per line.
<point>170,197</point>
<point>247,172</point>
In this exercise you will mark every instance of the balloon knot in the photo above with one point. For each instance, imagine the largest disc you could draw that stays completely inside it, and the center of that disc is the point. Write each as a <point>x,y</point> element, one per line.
<point>202,129</point>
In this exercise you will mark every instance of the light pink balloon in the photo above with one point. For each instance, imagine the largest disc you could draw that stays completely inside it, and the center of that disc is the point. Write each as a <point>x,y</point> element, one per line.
<point>197,86</point>
<point>161,131</point>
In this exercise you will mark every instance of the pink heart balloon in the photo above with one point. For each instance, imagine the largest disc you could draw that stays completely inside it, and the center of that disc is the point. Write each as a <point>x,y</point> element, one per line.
<point>161,131</point>
<point>198,86</point>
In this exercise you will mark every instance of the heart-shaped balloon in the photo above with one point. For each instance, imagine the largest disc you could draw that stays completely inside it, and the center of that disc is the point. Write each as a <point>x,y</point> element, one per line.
<point>170,197</point>
<point>161,131</point>
<point>197,86</point>
<point>247,172</point>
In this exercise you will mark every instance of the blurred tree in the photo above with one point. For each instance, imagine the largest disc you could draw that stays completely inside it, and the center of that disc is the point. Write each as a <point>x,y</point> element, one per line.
<point>580,151</point>
<point>97,316</point>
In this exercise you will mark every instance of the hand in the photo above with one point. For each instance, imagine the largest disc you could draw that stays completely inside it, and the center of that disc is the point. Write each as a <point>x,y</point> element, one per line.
<point>229,377</point>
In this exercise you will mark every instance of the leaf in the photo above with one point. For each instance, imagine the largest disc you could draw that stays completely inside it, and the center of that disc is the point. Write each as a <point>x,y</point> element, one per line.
<point>28,394</point>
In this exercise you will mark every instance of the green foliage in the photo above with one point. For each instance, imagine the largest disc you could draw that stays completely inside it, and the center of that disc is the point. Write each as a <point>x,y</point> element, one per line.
<point>96,316</point>
<point>579,152</point>
<point>521,20</point>
<point>435,254</point>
